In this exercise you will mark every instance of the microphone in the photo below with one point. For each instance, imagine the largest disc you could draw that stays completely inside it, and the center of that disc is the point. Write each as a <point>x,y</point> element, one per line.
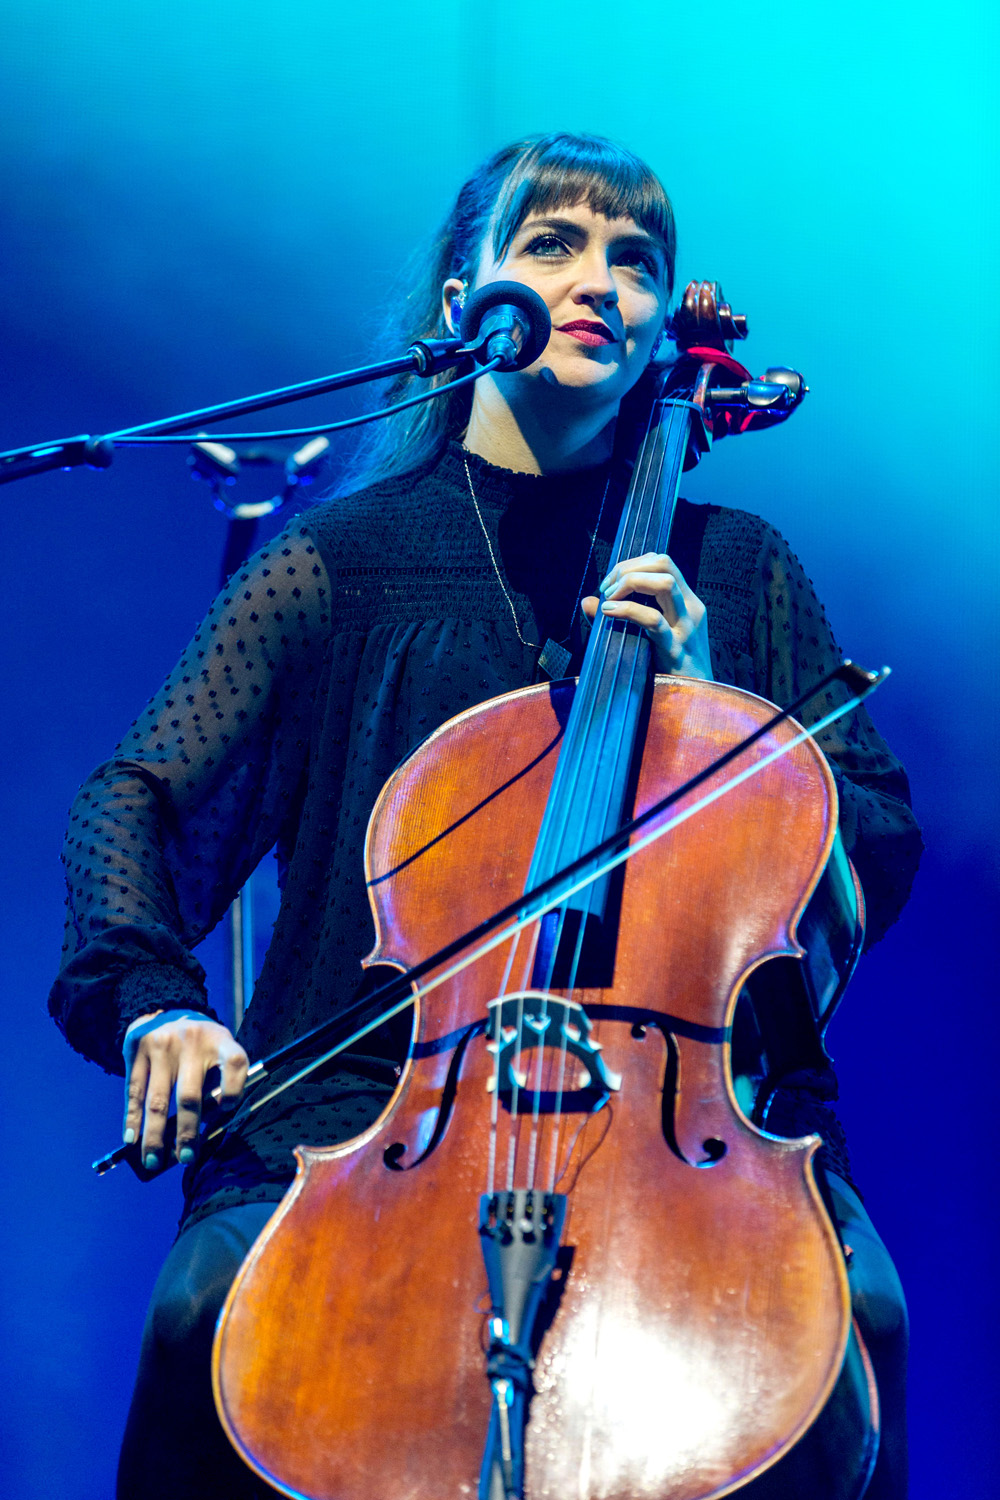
<point>506,320</point>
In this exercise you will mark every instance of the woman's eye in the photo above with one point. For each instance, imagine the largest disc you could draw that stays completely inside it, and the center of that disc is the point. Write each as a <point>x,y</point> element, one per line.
<point>546,244</point>
<point>641,260</point>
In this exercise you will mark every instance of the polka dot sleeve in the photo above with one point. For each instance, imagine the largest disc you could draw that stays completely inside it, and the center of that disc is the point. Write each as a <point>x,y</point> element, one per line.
<point>164,833</point>
<point>793,645</point>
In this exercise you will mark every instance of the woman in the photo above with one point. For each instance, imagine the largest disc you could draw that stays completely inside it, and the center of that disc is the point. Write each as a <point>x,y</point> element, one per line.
<point>478,528</point>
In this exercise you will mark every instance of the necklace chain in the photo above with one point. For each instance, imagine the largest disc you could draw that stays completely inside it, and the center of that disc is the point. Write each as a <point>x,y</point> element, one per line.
<point>536,645</point>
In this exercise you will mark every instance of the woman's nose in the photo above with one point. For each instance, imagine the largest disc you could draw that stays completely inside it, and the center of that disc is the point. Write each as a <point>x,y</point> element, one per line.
<point>596,284</point>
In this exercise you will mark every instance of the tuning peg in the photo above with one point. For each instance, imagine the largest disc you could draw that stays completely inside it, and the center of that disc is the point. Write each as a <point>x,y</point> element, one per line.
<point>790,379</point>
<point>704,320</point>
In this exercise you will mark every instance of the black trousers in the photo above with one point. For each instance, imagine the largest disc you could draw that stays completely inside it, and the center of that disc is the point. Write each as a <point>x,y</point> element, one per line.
<point>175,1448</point>
<point>174,1445</point>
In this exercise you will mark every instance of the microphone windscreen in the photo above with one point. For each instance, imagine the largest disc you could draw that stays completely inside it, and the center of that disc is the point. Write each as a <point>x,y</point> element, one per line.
<point>509,294</point>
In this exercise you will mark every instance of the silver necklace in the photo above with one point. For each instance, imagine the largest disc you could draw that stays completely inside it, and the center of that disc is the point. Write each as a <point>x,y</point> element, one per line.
<point>555,658</point>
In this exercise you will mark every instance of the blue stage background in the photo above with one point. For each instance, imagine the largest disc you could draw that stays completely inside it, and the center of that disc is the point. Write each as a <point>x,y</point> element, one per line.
<point>199,201</point>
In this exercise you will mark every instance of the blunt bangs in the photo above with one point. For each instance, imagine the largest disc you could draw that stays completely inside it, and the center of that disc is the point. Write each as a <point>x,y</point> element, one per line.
<point>561,170</point>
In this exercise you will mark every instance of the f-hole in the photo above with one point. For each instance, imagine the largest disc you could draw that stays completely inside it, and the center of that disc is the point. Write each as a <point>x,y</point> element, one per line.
<point>394,1153</point>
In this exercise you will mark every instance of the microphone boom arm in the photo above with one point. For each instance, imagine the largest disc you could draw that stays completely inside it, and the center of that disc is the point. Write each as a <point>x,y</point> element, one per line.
<point>425,357</point>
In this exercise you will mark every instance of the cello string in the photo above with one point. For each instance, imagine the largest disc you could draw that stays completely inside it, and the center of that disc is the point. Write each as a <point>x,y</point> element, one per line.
<point>514,1092</point>
<point>608,641</point>
<point>651,452</point>
<point>604,643</point>
<point>558,818</point>
<point>542,1049</point>
<point>606,659</point>
<point>649,517</point>
<point>561,1079</point>
<point>607,638</point>
<point>653,523</point>
<point>585,913</point>
<point>643,506</point>
<point>495,1101</point>
<point>515,1087</point>
<point>642,519</point>
<point>525,985</point>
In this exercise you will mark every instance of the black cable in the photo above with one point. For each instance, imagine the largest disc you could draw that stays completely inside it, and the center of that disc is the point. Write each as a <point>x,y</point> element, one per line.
<point>296,432</point>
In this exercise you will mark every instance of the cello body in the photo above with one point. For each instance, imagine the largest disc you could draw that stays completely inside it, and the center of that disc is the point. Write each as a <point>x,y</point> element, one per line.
<point>697,1316</point>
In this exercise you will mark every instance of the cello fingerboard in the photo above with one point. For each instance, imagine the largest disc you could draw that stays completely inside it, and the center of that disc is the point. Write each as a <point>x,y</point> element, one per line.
<point>591,784</point>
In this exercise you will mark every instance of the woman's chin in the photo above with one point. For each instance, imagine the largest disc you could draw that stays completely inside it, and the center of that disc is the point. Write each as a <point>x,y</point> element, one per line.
<point>582,375</point>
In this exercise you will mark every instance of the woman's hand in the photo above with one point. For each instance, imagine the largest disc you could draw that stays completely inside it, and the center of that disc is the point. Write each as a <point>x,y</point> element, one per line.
<point>175,1056</point>
<point>676,621</point>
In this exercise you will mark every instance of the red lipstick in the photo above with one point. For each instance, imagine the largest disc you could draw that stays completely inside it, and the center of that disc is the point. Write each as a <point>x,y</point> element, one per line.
<point>589,331</point>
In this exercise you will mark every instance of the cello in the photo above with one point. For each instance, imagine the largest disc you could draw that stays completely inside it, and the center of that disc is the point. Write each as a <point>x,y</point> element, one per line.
<point>563,1262</point>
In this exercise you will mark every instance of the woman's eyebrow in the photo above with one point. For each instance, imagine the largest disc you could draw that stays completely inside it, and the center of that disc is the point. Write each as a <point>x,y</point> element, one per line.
<point>548,221</point>
<point>639,237</point>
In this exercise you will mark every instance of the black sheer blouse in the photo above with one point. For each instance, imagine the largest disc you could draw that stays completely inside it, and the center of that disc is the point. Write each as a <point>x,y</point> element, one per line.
<point>326,660</point>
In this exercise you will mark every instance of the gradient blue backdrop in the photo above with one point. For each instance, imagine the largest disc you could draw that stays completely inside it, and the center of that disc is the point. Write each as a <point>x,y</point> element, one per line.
<point>206,199</point>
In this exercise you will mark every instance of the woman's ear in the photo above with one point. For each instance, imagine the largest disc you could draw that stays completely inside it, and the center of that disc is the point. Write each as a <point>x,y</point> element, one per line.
<point>452,301</point>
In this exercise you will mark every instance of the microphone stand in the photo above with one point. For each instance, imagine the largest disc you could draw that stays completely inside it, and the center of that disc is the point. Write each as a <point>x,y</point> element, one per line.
<point>425,357</point>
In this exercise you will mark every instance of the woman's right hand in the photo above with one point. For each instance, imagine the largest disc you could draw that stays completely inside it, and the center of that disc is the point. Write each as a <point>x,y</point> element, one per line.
<point>175,1057</point>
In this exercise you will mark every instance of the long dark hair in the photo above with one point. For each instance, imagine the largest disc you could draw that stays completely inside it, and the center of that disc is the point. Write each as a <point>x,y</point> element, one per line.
<point>538,173</point>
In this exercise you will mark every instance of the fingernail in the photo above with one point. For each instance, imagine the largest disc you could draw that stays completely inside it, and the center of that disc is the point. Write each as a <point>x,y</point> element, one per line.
<point>608,607</point>
<point>151,1161</point>
<point>129,1137</point>
<point>185,1156</point>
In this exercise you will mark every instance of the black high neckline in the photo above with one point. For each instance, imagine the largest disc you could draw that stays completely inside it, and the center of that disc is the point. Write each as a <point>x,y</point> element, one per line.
<point>499,488</point>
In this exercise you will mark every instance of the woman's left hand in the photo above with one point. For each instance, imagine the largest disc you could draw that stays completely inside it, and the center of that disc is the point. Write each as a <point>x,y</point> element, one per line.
<point>676,621</point>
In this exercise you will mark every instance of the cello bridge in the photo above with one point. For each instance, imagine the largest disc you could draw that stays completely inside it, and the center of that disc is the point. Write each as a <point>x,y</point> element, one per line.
<point>532,1021</point>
